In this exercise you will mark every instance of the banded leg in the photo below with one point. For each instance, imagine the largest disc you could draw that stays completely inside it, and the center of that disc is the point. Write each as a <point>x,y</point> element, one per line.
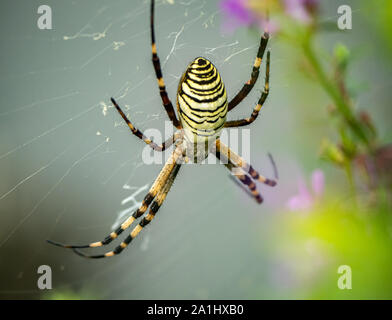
<point>255,113</point>
<point>255,74</point>
<point>243,178</point>
<point>239,162</point>
<point>166,144</point>
<point>145,221</point>
<point>158,72</point>
<point>155,188</point>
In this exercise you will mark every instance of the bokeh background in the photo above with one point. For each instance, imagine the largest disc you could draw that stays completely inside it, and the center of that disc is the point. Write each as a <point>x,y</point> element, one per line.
<point>67,161</point>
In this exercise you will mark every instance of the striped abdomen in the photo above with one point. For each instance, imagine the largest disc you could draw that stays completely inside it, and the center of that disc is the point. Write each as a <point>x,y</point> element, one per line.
<point>201,101</point>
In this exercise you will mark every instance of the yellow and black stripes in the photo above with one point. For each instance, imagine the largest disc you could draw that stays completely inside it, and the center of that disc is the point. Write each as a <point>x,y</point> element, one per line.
<point>202,109</point>
<point>157,186</point>
<point>202,99</point>
<point>158,72</point>
<point>113,235</point>
<point>246,180</point>
<point>242,177</point>
<point>241,163</point>
<point>255,113</point>
<point>248,86</point>
<point>141,135</point>
<point>161,196</point>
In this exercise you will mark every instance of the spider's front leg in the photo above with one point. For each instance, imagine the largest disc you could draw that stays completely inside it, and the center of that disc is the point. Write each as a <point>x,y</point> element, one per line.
<point>255,113</point>
<point>166,144</point>
<point>167,104</point>
<point>248,86</point>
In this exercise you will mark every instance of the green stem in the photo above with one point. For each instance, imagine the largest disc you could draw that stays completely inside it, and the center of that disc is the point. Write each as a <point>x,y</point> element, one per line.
<point>349,173</point>
<point>334,93</point>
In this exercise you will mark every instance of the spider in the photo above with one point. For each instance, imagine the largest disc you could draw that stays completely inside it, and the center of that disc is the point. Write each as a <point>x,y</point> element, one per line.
<point>202,107</point>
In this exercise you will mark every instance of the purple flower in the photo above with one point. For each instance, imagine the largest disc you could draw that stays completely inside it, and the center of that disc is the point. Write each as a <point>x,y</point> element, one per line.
<point>237,14</point>
<point>305,199</point>
<point>254,13</point>
<point>301,10</point>
<point>239,10</point>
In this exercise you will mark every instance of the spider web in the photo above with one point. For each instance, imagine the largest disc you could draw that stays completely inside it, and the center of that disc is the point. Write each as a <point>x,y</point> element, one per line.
<point>71,170</point>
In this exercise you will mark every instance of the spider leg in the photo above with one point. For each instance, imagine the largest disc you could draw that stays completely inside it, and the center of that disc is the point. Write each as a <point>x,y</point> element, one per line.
<point>242,177</point>
<point>166,144</point>
<point>255,74</point>
<point>161,196</point>
<point>239,162</point>
<point>158,72</point>
<point>154,190</point>
<point>255,113</point>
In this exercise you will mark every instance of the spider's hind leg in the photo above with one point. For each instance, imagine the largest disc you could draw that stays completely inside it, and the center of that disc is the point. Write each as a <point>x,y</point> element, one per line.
<point>158,184</point>
<point>113,235</point>
<point>158,201</point>
<point>245,182</point>
<point>244,172</point>
<point>239,162</point>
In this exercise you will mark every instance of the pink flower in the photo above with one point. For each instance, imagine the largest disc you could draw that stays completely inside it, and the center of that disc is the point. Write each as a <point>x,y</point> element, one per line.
<point>251,13</point>
<point>301,10</point>
<point>238,10</point>
<point>237,14</point>
<point>305,199</point>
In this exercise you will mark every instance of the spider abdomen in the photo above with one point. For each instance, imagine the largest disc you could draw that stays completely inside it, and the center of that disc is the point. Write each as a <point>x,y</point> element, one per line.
<point>202,101</point>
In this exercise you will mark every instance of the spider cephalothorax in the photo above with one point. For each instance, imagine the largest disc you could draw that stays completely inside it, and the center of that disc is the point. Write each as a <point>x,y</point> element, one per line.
<point>202,107</point>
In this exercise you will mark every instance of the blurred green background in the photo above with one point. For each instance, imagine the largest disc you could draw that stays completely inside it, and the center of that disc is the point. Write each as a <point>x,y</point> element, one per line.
<point>67,160</point>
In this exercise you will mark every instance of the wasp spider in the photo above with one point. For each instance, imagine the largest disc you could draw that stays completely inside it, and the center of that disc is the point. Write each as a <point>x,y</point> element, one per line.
<point>202,108</point>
